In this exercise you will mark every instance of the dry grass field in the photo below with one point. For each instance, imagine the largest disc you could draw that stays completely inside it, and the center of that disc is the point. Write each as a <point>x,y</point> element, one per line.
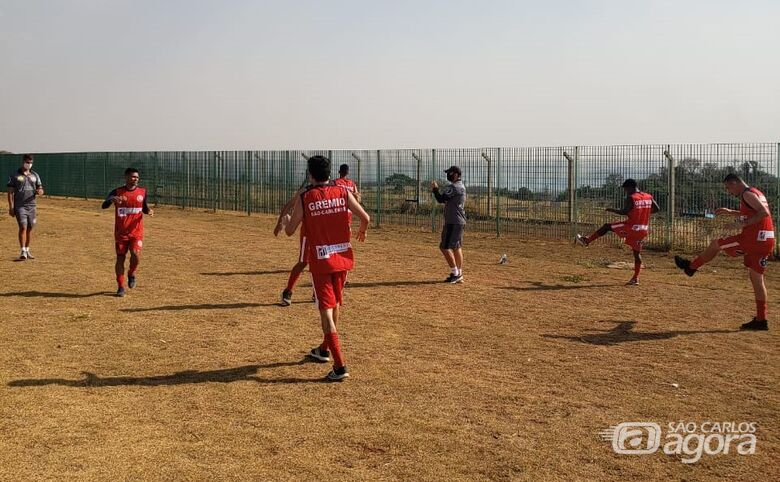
<point>198,374</point>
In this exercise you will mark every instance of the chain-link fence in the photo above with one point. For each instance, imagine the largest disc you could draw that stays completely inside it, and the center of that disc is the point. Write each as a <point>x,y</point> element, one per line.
<point>542,192</point>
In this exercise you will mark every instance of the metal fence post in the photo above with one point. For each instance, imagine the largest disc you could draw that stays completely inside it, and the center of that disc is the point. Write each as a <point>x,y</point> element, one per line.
<point>359,184</point>
<point>670,200</point>
<point>248,174</point>
<point>498,193</point>
<point>571,187</point>
<point>378,187</point>
<point>777,197</point>
<point>433,202</point>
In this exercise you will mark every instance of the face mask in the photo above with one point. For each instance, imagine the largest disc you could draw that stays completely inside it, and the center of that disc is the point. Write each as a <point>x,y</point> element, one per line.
<point>451,177</point>
<point>28,165</point>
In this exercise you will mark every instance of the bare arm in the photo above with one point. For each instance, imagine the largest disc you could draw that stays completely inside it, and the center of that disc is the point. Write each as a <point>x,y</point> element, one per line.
<point>358,210</point>
<point>628,205</point>
<point>761,210</point>
<point>287,209</point>
<point>11,192</point>
<point>291,221</point>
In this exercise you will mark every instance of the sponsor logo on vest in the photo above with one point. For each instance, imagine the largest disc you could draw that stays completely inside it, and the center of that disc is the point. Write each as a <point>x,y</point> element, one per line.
<point>327,204</point>
<point>764,235</point>
<point>123,212</point>
<point>640,227</point>
<point>324,251</point>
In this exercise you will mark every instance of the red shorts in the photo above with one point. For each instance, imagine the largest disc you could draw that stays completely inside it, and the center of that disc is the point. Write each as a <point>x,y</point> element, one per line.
<point>303,256</point>
<point>132,244</point>
<point>329,288</point>
<point>634,239</point>
<point>755,255</point>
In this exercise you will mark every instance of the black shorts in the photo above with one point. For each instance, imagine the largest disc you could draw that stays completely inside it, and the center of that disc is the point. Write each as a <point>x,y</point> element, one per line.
<point>452,236</point>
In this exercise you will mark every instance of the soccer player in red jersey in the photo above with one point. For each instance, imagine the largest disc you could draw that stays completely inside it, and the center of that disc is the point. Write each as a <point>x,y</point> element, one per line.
<point>323,210</point>
<point>130,206</point>
<point>638,206</point>
<point>344,180</point>
<point>754,243</point>
<point>300,265</point>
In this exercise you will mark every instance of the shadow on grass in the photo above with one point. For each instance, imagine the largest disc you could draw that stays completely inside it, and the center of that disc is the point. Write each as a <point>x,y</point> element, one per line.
<point>205,306</point>
<point>373,284</point>
<point>247,273</point>
<point>45,294</point>
<point>624,332</point>
<point>540,286</point>
<point>228,375</point>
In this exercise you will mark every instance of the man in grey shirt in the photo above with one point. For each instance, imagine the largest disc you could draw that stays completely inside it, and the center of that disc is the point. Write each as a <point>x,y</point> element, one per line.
<point>23,186</point>
<point>454,199</point>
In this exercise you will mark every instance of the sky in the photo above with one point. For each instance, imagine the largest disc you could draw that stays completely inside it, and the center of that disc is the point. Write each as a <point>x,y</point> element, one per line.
<point>118,75</point>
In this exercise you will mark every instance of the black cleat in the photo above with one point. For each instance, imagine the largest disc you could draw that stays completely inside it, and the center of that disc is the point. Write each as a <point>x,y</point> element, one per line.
<point>319,355</point>
<point>449,278</point>
<point>338,374</point>
<point>131,282</point>
<point>120,292</point>
<point>754,324</point>
<point>581,240</point>
<point>684,265</point>
<point>456,279</point>
<point>286,298</point>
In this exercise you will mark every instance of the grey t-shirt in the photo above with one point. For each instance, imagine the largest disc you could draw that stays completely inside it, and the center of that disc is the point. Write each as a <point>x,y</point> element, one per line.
<point>454,199</point>
<point>25,187</point>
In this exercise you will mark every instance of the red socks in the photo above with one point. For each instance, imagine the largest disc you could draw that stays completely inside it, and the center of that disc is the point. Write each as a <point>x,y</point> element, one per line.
<point>324,346</point>
<point>335,349</point>
<point>133,267</point>
<point>697,263</point>
<point>761,309</point>
<point>120,280</point>
<point>294,275</point>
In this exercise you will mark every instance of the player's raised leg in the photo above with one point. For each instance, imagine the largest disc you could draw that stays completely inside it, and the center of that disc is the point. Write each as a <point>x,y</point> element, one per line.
<point>690,267</point>
<point>586,240</point>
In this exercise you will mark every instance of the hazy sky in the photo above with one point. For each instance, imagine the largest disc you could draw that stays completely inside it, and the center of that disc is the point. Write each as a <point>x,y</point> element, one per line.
<point>253,74</point>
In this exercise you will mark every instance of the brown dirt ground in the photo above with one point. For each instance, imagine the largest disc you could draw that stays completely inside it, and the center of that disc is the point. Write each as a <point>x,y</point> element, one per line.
<point>197,373</point>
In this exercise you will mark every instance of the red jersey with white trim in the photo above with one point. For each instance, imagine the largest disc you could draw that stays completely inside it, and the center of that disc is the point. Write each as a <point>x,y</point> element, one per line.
<point>326,220</point>
<point>639,216</point>
<point>349,184</point>
<point>129,215</point>
<point>761,231</point>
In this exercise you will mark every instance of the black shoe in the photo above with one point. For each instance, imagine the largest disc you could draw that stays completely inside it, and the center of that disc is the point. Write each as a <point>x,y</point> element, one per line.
<point>286,298</point>
<point>449,278</point>
<point>131,282</point>
<point>319,355</point>
<point>684,265</point>
<point>754,324</point>
<point>456,279</point>
<point>338,374</point>
<point>120,292</point>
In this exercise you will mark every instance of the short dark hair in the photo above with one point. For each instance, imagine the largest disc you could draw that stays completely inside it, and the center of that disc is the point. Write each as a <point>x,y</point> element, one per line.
<point>27,157</point>
<point>131,170</point>
<point>630,183</point>
<point>731,177</point>
<point>319,168</point>
<point>344,169</point>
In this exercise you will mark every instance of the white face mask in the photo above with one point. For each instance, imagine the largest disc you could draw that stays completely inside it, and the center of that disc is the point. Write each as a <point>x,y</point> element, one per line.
<point>28,165</point>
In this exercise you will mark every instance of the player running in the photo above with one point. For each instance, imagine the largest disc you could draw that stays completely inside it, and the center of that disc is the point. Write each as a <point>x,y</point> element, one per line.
<point>346,182</point>
<point>130,203</point>
<point>638,206</point>
<point>322,209</point>
<point>754,243</point>
<point>300,265</point>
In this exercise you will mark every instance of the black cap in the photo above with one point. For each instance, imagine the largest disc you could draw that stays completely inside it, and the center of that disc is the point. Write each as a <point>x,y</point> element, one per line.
<point>454,169</point>
<point>629,183</point>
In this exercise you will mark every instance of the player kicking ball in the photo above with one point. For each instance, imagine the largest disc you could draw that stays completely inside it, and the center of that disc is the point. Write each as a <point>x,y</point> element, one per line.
<point>638,206</point>
<point>754,243</point>
<point>129,208</point>
<point>323,210</point>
